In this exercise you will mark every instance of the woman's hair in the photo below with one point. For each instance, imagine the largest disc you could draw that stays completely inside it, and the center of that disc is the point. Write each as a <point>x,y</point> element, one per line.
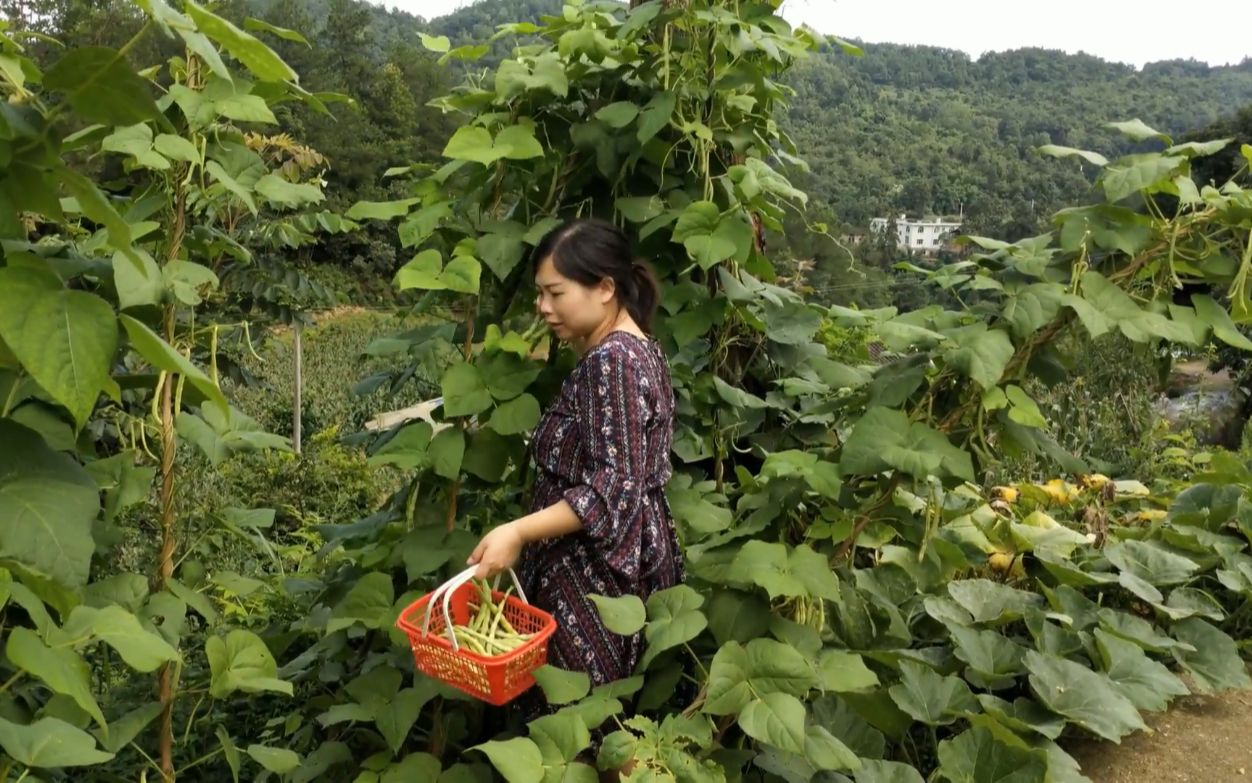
<point>588,251</point>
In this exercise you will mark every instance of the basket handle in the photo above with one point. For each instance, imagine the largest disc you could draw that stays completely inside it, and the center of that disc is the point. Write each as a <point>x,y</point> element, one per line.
<point>448,588</point>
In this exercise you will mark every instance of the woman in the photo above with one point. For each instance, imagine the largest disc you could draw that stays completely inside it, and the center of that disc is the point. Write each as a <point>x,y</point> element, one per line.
<point>600,523</point>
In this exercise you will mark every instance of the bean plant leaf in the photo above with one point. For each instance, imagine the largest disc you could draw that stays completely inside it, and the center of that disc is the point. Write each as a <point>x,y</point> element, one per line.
<point>561,686</point>
<point>141,649</point>
<point>738,673</point>
<point>518,760</point>
<point>876,771</point>
<point>62,669</point>
<point>464,391</point>
<point>776,719</point>
<point>280,761</point>
<point>674,618</point>
<point>624,615</point>
<point>244,47</point>
<point>47,506</point>
<point>100,85</point>
<point>66,339</point>
<point>981,353</point>
<point>885,438</point>
<point>50,742</point>
<point>242,662</point>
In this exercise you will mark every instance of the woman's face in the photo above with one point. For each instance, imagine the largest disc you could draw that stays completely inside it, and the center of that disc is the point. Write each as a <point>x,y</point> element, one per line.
<point>572,311</point>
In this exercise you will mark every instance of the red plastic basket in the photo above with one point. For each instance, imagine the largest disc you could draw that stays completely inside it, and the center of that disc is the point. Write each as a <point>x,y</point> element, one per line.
<point>497,679</point>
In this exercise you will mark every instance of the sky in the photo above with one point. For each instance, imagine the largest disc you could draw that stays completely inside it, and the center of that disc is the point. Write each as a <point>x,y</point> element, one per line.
<point>1128,31</point>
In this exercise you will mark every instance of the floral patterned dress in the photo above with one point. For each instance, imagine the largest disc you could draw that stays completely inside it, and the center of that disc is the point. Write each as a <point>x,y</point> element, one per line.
<point>603,446</point>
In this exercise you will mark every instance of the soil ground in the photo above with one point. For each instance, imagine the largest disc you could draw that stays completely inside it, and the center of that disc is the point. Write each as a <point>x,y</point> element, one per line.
<point>1200,739</point>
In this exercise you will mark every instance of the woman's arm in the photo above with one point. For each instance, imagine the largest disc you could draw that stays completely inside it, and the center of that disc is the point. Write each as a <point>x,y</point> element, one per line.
<point>554,521</point>
<point>499,550</point>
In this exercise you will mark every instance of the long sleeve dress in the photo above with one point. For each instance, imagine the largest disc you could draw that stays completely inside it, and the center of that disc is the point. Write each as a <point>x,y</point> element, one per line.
<point>603,446</point>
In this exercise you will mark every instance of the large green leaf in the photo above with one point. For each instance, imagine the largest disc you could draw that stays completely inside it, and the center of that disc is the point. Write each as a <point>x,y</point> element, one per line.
<point>975,756</point>
<point>464,391</point>
<point>560,739</point>
<point>992,658</point>
<point>802,572</point>
<point>407,449</point>
<point>1150,562</point>
<point>518,760</point>
<point>47,506</point>
<point>242,662</point>
<point>369,603</point>
<point>487,454</point>
<point>561,686</point>
<point>64,338</point>
<point>692,510</point>
<point>1138,130</point>
<point>885,438</point>
<point>50,742</point>
<point>284,193</point>
<point>1134,173</point>
<point>1086,698</point>
<point>228,182</point>
<point>101,87</point>
<point>624,615</point>
<point>1148,684</point>
<point>841,671</point>
<point>137,284</point>
<point>426,271</point>
<point>447,452</point>
<point>122,731</point>
<point>929,697</point>
<point>415,766</point>
<point>875,771</point>
<point>141,649</point>
<point>246,48</point>
<point>1215,664</point>
<point>501,253</point>
<point>674,618</point>
<point>1224,329</point>
<point>740,673</point>
<point>280,761</point>
<point>991,602</point>
<point>62,669</point>
<point>395,716</point>
<point>473,143</point>
<point>826,751</point>
<point>1023,715</point>
<point>980,353</point>
<point>516,416</point>
<point>776,719</point>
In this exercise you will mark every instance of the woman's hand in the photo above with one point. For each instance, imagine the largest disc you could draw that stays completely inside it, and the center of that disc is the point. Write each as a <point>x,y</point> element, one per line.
<point>497,551</point>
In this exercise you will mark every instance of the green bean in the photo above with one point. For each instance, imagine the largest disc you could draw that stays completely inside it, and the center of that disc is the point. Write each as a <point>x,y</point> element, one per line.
<point>488,631</point>
<point>495,626</point>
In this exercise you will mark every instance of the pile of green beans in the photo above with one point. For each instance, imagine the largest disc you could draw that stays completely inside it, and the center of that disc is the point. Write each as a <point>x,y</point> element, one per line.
<point>489,632</point>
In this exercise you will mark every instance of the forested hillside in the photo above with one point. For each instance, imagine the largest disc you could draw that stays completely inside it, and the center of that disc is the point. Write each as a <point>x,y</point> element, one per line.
<point>900,129</point>
<point>929,130</point>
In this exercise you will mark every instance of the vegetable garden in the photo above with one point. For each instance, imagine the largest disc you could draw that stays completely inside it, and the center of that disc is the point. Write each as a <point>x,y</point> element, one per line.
<point>868,598</point>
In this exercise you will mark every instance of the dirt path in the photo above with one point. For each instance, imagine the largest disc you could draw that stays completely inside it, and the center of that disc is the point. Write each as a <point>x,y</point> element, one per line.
<point>1200,739</point>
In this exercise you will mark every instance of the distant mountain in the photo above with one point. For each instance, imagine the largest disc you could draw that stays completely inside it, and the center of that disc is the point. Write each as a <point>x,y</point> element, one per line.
<point>914,129</point>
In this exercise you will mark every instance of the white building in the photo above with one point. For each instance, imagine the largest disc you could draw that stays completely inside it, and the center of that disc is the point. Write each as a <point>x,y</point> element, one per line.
<point>919,235</point>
